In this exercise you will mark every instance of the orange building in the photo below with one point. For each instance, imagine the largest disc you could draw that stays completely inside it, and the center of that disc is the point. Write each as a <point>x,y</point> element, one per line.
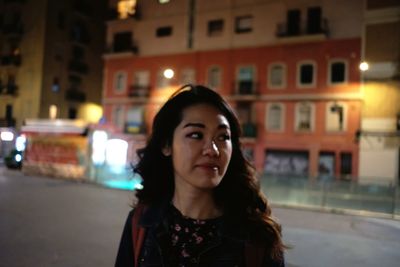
<point>294,83</point>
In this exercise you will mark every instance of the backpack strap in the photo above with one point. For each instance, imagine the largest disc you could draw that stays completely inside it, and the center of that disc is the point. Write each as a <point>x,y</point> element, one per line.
<point>138,232</point>
<point>254,255</point>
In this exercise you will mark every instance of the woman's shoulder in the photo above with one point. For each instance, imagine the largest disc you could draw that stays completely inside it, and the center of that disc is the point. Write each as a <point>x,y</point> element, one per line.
<point>149,214</point>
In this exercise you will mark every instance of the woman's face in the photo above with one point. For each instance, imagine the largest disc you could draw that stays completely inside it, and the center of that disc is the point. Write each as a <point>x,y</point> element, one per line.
<point>201,148</point>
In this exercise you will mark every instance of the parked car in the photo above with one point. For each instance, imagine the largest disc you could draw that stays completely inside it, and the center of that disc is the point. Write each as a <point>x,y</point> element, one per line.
<point>14,159</point>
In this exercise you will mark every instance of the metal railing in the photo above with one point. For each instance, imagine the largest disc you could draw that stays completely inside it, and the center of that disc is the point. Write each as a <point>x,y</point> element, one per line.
<point>372,196</point>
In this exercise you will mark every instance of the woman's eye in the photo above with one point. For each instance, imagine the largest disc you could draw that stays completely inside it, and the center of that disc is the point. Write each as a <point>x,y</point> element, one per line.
<point>195,135</point>
<point>225,137</point>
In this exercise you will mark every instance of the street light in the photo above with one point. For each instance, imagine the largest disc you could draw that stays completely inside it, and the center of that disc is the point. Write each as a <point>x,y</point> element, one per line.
<point>364,66</point>
<point>168,73</point>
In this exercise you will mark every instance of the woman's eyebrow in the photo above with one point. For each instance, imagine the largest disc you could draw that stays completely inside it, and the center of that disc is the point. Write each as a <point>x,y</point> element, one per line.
<point>201,125</point>
<point>192,124</point>
<point>224,126</point>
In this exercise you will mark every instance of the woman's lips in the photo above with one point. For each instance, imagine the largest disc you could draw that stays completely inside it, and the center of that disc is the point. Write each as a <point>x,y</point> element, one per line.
<point>211,167</point>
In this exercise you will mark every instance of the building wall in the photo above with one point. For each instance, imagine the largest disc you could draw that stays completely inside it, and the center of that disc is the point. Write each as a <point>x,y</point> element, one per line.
<point>154,16</point>
<point>381,100</point>
<point>28,75</point>
<point>314,142</point>
<point>59,46</point>
<point>264,27</point>
<point>379,138</point>
<point>45,51</point>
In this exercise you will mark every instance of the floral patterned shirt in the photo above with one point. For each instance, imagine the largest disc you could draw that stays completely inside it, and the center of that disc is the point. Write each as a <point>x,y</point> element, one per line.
<point>189,237</point>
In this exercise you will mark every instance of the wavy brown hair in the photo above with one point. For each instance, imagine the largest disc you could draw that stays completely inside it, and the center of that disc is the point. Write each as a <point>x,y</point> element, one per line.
<point>251,209</point>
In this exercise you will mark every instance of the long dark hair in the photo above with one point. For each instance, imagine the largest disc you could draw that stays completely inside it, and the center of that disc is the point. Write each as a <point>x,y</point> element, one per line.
<point>238,194</point>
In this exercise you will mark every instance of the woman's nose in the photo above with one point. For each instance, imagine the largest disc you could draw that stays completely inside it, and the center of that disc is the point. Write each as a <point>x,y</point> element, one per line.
<point>211,149</point>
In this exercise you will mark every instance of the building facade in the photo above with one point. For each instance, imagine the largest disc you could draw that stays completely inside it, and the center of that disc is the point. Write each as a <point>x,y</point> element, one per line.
<point>290,68</point>
<point>50,58</point>
<point>380,128</point>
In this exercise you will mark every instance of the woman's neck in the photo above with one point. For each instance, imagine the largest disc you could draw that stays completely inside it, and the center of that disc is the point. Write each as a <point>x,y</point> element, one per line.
<point>196,206</point>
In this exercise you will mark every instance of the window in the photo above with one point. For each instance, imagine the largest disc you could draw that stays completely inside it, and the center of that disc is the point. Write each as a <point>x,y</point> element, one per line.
<point>9,112</point>
<point>120,82</point>
<point>11,87</point>
<point>246,80</point>
<point>277,76</point>
<point>326,166</point>
<point>118,116</point>
<point>244,24</point>
<point>304,117</point>
<point>55,87</point>
<point>134,120</point>
<point>122,41</point>
<point>306,74</point>
<point>314,20</point>
<point>126,8</point>
<point>275,117</point>
<point>214,77</point>
<point>337,72</point>
<point>164,31</point>
<point>281,162</point>
<point>335,117</point>
<point>188,76</point>
<point>79,32</point>
<point>346,165</point>
<point>244,112</point>
<point>141,84</point>
<point>293,22</point>
<point>215,27</point>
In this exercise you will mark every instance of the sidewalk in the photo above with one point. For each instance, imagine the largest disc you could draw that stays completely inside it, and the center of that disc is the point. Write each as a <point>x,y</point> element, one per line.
<point>331,240</point>
<point>52,222</point>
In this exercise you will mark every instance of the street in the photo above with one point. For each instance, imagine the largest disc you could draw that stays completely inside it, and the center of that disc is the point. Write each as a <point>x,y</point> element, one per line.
<point>53,222</point>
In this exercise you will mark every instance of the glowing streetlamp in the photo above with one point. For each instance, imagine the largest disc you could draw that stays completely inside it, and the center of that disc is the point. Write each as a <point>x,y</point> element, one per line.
<point>168,73</point>
<point>364,66</point>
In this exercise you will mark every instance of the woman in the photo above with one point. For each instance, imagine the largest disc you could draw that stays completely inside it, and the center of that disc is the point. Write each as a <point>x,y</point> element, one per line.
<point>203,205</point>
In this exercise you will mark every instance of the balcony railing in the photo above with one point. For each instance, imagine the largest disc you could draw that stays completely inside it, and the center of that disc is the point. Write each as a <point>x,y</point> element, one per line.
<point>7,122</point>
<point>117,48</point>
<point>9,89</point>
<point>75,95</point>
<point>11,60</point>
<point>78,66</point>
<point>245,88</point>
<point>303,28</point>
<point>139,90</point>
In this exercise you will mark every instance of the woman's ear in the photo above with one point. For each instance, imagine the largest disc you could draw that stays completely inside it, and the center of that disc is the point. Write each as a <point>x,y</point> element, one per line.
<point>167,150</point>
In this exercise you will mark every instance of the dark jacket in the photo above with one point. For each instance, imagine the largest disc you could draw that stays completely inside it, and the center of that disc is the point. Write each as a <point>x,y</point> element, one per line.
<point>228,250</point>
